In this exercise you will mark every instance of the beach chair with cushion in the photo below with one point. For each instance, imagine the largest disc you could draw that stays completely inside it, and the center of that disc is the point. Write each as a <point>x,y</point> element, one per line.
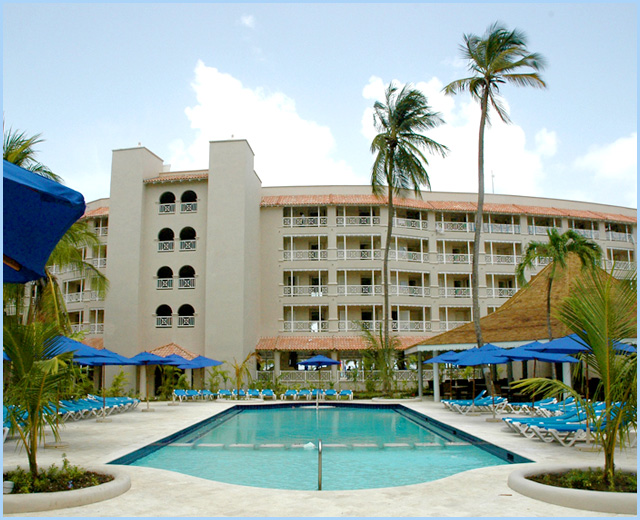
<point>306,394</point>
<point>317,393</point>
<point>193,394</point>
<point>290,394</point>
<point>267,393</point>
<point>347,394</point>
<point>224,394</point>
<point>253,393</point>
<point>181,395</point>
<point>239,394</point>
<point>206,394</point>
<point>330,392</point>
<point>448,403</point>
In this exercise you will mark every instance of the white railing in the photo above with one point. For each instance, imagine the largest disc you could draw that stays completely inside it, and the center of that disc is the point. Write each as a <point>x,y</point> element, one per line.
<point>164,209</point>
<point>503,259</point>
<point>410,223</point>
<point>587,233</point>
<point>306,326</point>
<point>500,292</point>
<point>73,297</point>
<point>408,256</point>
<point>96,328</point>
<point>79,327</point>
<point>305,254</point>
<point>455,292</point>
<point>354,290</point>
<point>411,326</point>
<point>501,228</point>
<point>357,221</point>
<point>304,221</point>
<point>99,262</point>
<point>186,283</point>
<point>188,207</point>
<point>187,245</point>
<point>455,226</point>
<point>448,325</point>
<point>395,325</point>
<point>166,245</point>
<point>90,296</point>
<point>540,230</point>
<point>316,376</point>
<point>409,290</point>
<point>186,321</point>
<point>163,321</point>
<point>449,258</point>
<point>164,283</point>
<point>359,254</point>
<point>101,231</point>
<point>619,237</point>
<point>344,325</point>
<point>542,261</point>
<point>620,265</point>
<point>306,290</point>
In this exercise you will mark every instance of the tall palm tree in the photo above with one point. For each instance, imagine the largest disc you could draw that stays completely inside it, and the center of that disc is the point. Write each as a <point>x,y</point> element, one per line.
<point>557,250</point>
<point>19,149</point>
<point>241,369</point>
<point>399,162</point>
<point>493,59</point>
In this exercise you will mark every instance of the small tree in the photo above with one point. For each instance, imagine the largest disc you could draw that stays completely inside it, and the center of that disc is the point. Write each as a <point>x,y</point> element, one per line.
<point>383,353</point>
<point>216,376</point>
<point>242,369</point>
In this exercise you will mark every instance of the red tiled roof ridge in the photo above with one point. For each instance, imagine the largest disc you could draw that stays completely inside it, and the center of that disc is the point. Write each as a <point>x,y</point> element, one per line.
<point>177,176</point>
<point>308,343</point>
<point>173,348</point>
<point>98,212</point>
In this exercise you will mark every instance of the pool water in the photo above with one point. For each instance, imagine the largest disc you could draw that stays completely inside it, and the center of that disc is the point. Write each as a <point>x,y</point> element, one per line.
<point>363,448</point>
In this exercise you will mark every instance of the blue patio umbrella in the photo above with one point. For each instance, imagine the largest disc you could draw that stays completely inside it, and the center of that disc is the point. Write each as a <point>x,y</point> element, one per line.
<point>571,344</point>
<point>319,361</point>
<point>200,362</point>
<point>147,359</point>
<point>524,353</point>
<point>62,344</point>
<point>36,213</point>
<point>445,357</point>
<point>4,356</point>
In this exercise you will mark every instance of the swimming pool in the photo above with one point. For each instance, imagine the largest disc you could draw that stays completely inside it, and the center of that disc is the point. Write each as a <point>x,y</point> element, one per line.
<point>364,447</point>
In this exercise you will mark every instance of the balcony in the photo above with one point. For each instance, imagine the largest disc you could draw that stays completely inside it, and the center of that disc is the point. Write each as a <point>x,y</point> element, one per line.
<point>99,262</point>
<point>163,322</point>
<point>357,221</point>
<point>454,258</point>
<point>408,256</point>
<point>84,296</point>
<point>466,227</point>
<point>166,245</point>
<point>502,259</point>
<point>410,223</point>
<point>359,254</point>
<point>186,283</point>
<point>449,325</point>
<point>455,292</point>
<point>395,325</point>
<point>359,290</point>
<point>500,292</point>
<point>96,328</point>
<point>587,233</point>
<point>186,321</point>
<point>101,231</point>
<point>187,245</point>
<point>167,209</point>
<point>409,290</point>
<point>540,230</point>
<point>306,290</point>
<point>188,207</point>
<point>305,254</point>
<point>616,236</point>
<point>306,326</point>
<point>501,228</point>
<point>304,221</point>
<point>164,283</point>
<point>619,264</point>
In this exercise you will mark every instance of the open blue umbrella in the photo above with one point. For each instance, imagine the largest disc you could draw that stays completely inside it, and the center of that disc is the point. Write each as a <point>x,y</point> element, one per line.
<point>525,353</point>
<point>571,344</point>
<point>62,344</point>
<point>200,362</point>
<point>147,359</point>
<point>445,357</point>
<point>319,361</point>
<point>36,213</point>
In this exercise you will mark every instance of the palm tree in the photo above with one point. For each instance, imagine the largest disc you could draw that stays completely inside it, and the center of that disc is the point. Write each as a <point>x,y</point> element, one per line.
<point>399,163</point>
<point>381,355</point>
<point>242,369</point>
<point>556,250</point>
<point>36,375</point>
<point>493,59</point>
<point>602,311</point>
<point>19,149</point>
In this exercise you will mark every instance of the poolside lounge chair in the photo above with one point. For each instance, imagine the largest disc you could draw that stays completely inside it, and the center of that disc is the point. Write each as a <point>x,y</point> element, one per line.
<point>317,393</point>
<point>207,394</point>
<point>239,394</point>
<point>347,394</point>
<point>180,394</point>
<point>252,392</point>
<point>224,394</point>
<point>293,394</point>
<point>448,403</point>
<point>304,393</point>
<point>330,392</point>
<point>267,393</point>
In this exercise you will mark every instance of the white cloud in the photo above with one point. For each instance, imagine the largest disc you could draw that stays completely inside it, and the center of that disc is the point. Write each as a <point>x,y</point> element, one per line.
<point>516,167</point>
<point>289,150</point>
<point>248,21</point>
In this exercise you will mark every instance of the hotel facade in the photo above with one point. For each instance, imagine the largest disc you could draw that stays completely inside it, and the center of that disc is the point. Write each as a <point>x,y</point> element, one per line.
<point>212,262</point>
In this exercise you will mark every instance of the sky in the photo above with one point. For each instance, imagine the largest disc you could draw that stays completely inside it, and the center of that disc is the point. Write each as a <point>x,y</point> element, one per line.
<point>299,80</point>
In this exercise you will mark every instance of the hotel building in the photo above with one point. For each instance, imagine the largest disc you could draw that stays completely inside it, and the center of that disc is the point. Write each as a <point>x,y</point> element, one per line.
<point>213,262</point>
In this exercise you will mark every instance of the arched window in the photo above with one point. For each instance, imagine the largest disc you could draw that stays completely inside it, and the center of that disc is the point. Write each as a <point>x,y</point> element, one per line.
<point>186,316</point>
<point>163,316</point>
<point>165,278</point>
<point>165,239</point>
<point>167,203</point>
<point>189,202</point>
<point>188,239</point>
<point>187,278</point>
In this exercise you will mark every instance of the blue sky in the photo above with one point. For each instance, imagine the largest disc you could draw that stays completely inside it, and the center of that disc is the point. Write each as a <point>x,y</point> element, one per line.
<point>299,80</point>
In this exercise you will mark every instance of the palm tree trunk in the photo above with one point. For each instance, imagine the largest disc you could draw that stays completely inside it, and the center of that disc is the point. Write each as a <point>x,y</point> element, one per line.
<point>385,269</point>
<point>554,374</point>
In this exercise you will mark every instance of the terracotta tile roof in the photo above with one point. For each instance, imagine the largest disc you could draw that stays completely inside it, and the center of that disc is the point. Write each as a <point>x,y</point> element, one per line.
<point>177,177</point>
<point>172,348</point>
<point>315,200</point>
<point>94,342</point>
<point>98,212</point>
<point>315,343</point>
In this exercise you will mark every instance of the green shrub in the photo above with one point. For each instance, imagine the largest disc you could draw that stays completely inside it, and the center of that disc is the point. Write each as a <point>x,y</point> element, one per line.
<point>117,388</point>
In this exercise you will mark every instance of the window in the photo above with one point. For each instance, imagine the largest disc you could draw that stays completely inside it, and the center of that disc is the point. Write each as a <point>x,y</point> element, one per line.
<point>165,278</point>
<point>163,316</point>
<point>187,278</point>
<point>188,239</point>
<point>167,203</point>
<point>186,316</point>
<point>165,240</point>
<point>189,202</point>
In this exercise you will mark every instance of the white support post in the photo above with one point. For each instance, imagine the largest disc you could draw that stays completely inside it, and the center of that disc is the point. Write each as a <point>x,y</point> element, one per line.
<point>436,380</point>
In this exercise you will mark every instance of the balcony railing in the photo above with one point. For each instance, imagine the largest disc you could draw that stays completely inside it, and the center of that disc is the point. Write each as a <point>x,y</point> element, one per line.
<point>164,283</point>
<point>587,233</point>
<point>409,290</point>
<point>99,262</point>
<point>410,223</point>
<point>163,321</point>
<point>620,265</point>
<point>455,226</point>
<point>448,325</point>
<point>395,325</point>
<point>357,221</point>
<point>501,228</point>
<point>454,258</point>
<point>79,327</point>
<point>186,283</point>
<point>187,245</point>
<point>166,245</point>
<point>84,296</point>
<point>306,290</point>
<point>502,259</point>
<point>188,207</point>
<point>101,231</point>
<point>164,209</point>
<point>304,221</point>
<point>306,326</point>
<point>408,256</point>
<point>186,321</point>
<point>305,254</point>
<point>540,230</point>
<point>500,292</point>
<point>359,254</point>
<point>359,290</point>
<point>616,236</point>
<point>359,325</point>
<point>96,328</point>
<point>455,292</point>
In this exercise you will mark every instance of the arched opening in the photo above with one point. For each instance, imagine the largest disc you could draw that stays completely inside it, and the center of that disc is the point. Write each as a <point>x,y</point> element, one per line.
<point>165,278</point>
<point>167,203</point>
<point>187,278</point>
<point>163,316</point>
<point>165,239</point>
<point>186,316</point>
<point>189,202</point>
<point>188,239</point>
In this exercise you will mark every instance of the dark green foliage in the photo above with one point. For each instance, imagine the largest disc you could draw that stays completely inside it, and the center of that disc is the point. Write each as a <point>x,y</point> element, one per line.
<point>591,479</point>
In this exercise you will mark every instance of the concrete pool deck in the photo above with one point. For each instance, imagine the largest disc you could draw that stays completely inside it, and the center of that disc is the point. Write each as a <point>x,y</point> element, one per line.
<point>159,493</point>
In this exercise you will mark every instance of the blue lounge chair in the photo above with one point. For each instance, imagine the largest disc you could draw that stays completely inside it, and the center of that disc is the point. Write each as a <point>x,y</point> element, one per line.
<point>330,392</point>
<point>293,394</point>
<point>317,393</point>
<point>224,394</point>
<point>239,394</point>
<point>304,393</point>
<point>267,393</point>
<point>180,394</point>
<point>207,394</point>
<point>252,392</point>
<point>347,394</point>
